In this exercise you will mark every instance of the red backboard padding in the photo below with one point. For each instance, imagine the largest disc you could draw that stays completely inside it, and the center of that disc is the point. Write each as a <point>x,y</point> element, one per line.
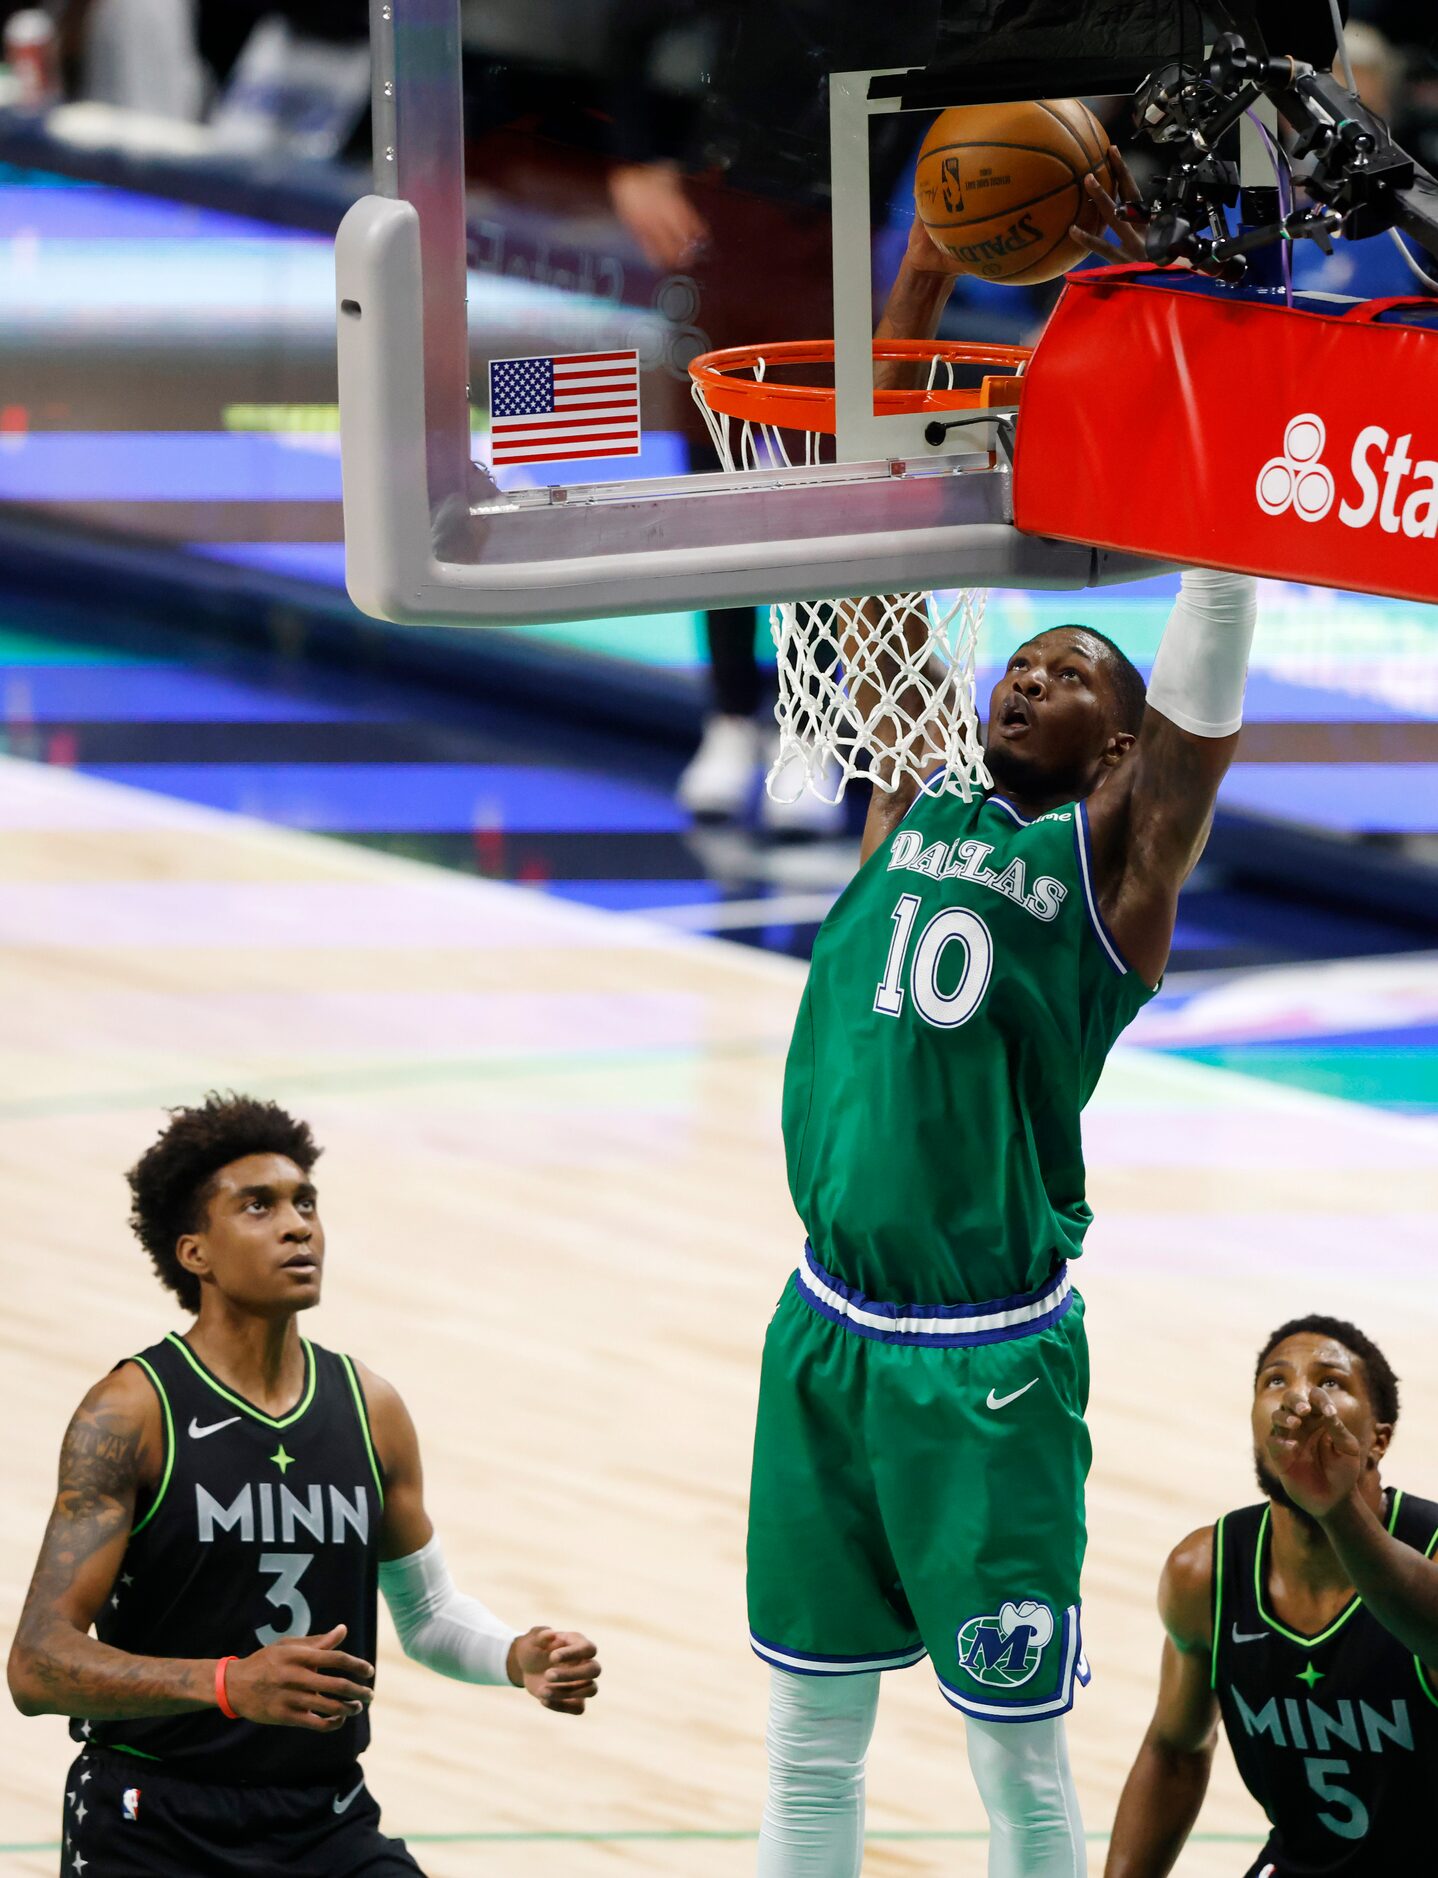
<point>1205,428</point>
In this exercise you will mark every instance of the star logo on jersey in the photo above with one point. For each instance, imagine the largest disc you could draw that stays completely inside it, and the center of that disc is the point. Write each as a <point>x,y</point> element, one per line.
<point>282,1460</point>
<point>1310,1676</point>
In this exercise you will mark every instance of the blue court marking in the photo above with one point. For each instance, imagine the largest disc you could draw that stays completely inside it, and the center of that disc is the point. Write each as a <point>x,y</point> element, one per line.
<point>1411,1039</point>
<point>1354,798</point>
<point>321,562</point>
<point>241,466</point>
<point>637,896</point>
<point>165,466</point>
<point>158,693</point>
<point>373,798</point>
<point>95,212</point>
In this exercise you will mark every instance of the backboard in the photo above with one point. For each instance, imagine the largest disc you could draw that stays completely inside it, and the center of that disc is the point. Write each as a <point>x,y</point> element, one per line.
<point>580,199</point>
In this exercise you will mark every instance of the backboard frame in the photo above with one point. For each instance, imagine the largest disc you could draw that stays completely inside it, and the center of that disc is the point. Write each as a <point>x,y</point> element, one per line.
<point>431,539</point>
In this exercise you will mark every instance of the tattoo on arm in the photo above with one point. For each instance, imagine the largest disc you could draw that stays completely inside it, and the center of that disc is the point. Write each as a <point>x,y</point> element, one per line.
<point>1181,779</point>
<point>56,1666</point>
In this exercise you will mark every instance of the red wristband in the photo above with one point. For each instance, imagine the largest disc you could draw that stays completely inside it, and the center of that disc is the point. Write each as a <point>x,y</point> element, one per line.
<point>220,1696</point>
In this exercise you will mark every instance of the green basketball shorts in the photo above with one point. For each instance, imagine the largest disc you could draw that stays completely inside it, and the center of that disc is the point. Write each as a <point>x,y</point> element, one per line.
<point>918,1489</point>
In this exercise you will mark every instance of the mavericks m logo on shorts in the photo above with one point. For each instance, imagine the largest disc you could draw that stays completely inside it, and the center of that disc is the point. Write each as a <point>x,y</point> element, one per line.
<point>1003,1651</point>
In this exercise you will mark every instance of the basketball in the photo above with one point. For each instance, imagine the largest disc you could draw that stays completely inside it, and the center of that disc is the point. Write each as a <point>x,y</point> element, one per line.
<point>998,186</point>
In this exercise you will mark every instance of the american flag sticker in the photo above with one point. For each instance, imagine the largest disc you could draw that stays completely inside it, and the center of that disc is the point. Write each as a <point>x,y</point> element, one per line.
<point>550,410</point>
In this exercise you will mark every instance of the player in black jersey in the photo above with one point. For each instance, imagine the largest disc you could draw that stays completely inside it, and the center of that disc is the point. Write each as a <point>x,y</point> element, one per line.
<point>230,1501</point>
<point>1309,1625</point>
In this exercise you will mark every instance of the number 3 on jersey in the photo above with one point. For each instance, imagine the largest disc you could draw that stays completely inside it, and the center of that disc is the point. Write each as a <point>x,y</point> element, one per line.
<point>954,925</point>
<point>285,1594</point>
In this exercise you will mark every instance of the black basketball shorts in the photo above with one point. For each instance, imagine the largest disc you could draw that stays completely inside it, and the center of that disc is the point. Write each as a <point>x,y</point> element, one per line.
<point>132,1821</point>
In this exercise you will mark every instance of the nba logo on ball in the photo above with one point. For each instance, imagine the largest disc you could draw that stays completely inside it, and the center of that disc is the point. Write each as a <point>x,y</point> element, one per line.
<point>130,1802</point>
<point>1004,1650</point>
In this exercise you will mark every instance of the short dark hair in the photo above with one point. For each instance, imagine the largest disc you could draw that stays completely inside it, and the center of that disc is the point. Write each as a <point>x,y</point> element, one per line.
<point>1128,686</point>
<point>172,1182</point>
<point>1382,1383</point>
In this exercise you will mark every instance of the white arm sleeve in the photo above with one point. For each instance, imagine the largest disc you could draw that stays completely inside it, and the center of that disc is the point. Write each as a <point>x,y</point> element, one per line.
<point>440,1627</point>
<point>1198,676</point>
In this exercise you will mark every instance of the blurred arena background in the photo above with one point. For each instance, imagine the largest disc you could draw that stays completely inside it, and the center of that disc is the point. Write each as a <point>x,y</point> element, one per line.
<point>534,980</point>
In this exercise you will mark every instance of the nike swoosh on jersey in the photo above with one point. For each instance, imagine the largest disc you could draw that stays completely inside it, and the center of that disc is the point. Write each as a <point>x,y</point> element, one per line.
<point>210,1428</point>
<point>1002,1401</point>
<point>1248,1636</point>
<point>341,1804</point>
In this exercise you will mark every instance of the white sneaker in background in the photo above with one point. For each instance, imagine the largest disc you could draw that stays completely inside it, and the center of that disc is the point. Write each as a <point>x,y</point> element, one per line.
<point>718,783</point>
<point>807,816</point>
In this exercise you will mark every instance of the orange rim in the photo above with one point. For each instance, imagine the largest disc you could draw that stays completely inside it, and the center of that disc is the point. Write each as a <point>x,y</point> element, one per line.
<point>811,407</point>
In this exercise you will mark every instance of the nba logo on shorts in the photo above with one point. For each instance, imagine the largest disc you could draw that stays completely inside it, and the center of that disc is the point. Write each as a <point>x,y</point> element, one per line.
<point>130,1802</point>
<point>1003,1651</point>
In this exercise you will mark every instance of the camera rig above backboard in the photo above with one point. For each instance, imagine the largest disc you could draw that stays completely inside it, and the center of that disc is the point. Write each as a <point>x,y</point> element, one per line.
<point>1358,181</point>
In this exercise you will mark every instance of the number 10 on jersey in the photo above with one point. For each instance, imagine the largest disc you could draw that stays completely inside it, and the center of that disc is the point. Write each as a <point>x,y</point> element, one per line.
<point>952,925</point>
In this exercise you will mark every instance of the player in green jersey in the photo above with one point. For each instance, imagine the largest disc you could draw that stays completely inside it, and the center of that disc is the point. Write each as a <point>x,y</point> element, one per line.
<point>919,1466</point>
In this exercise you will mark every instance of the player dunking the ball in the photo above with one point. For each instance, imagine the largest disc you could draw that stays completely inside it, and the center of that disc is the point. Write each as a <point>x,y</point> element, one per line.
<point>920,1449</point>
<point>229,1502</point>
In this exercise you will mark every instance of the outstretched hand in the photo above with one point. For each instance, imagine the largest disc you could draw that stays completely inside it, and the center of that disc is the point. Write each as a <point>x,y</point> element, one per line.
<point>1318,1460</point>
<point>1126,230</point>
<point>559,1668</point>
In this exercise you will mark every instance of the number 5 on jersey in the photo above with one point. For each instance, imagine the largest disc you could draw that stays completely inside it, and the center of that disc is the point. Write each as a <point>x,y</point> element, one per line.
<point>953,925</point>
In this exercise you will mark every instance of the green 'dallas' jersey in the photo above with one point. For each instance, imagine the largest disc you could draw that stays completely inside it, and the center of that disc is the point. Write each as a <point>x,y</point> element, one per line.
<point>963,996</point>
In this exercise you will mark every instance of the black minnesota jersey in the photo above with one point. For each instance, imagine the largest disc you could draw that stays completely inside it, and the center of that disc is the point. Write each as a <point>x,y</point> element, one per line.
<point>1335,1735</point>
<point>260,1528</point>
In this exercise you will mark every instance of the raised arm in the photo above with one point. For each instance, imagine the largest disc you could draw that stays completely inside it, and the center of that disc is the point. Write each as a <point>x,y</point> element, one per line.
<point>112,1449</point>
<point>1321,1465</point>
<point>1151,822</point>
<point>437,1624</point>
<point>1165,1787</point>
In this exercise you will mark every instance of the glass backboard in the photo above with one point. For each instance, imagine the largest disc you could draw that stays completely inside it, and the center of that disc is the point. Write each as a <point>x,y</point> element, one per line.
<point>575,198</point>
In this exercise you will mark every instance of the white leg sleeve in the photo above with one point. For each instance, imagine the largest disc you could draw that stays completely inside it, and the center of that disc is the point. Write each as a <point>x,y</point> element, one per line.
<point>818,1736</point>
<point>1022,1772</point>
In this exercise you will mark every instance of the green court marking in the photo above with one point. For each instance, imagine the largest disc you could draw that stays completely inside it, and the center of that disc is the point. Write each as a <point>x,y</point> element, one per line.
<point>672,640</point>
<point>1403,1076</point>
<point>680,1836</point>
<point>18,647</point>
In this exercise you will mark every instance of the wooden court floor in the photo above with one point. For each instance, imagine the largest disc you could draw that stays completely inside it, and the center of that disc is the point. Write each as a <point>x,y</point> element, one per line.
<point>557,1221</point>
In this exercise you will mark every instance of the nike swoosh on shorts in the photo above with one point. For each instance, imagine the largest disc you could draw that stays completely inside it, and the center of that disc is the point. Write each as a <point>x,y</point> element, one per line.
<point>341,1804</point>
<point>1002,1401</point>
<point>210,1428</point>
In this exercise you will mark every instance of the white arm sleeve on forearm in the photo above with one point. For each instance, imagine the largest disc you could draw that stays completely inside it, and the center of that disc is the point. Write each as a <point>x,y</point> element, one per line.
<point>440,1627</point>
<point>1202,662</point>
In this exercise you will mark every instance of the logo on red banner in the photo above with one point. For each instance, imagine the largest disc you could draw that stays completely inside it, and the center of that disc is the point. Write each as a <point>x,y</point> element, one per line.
<point>1327,473</point>
<point>1387,483</point>
<point>1297,480</point>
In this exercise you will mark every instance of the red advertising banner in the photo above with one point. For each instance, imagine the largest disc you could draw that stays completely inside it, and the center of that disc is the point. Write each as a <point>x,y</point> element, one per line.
<point>1218,431</point>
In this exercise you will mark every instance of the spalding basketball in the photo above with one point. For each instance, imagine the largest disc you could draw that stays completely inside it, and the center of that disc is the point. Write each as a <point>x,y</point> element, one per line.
<point>999,185</point>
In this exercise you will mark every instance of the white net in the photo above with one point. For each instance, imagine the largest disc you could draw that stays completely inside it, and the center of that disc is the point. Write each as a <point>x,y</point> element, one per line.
<point>881,687</point>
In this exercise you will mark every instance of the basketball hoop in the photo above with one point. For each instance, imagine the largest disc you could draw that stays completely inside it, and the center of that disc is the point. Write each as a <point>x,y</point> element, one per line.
<point>891,676</point>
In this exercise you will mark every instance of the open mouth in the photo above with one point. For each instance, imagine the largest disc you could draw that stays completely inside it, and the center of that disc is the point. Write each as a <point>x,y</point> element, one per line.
<point>1015,716</point>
